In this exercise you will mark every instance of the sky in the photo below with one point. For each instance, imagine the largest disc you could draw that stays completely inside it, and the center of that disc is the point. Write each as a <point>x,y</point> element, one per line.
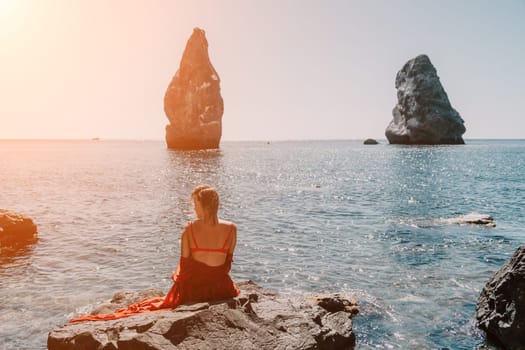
<point>289,69</point>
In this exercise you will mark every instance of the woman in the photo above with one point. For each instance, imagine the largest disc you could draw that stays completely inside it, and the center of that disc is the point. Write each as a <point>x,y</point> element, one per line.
<point>207,247</point>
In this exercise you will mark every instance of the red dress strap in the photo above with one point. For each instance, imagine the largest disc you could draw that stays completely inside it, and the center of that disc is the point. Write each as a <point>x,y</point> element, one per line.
<point>217,250</point>
<point>193,236</point>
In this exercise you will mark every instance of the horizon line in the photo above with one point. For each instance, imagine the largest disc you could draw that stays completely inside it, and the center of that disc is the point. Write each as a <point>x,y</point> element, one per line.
<point>98,139</point>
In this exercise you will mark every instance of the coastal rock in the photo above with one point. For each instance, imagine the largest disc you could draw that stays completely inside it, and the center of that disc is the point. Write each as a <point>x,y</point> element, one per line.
<point>256,319</point>
<point>370,142</point>
<point>473,219</point>
<point>500,309</point>
<point>423,114</point>
<point>15,228</point>
<point>193,102</point>
<point>123,299</point>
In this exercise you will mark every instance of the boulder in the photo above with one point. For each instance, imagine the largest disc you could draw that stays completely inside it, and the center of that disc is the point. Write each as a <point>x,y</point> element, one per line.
<point>15,228</point>
<point>423,114</point>
<point>256,319</point>
<point>473,219</point>
<point>500,310</point>
<point>193,102</point>
<point>370,142</point>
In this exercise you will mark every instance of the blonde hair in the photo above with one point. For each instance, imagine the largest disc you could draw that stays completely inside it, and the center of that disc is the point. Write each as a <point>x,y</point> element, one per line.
<point>199,188</point>
<point>209,200</point>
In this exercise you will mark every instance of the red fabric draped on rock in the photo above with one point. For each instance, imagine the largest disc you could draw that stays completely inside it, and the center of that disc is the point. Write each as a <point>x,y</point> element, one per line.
<point>195,282</point>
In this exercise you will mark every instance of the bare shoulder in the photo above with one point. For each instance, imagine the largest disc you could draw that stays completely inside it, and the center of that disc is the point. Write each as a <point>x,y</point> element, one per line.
<point>226,222</point>
<point>228,225</point>
<point>186,229</point>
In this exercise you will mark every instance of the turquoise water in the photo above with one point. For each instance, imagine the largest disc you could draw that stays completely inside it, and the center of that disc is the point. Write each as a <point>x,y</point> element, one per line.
<point>312,217</point>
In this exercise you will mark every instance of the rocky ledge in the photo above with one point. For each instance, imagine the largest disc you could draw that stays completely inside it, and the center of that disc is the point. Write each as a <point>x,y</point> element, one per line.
<point>256,319</point>
<point>500,309</point>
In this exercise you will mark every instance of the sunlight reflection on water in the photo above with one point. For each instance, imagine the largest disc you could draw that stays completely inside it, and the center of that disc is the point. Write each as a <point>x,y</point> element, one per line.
<point>312,217</point>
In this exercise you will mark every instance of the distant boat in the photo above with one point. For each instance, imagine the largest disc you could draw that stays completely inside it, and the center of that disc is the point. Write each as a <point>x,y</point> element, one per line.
<point>95,139</point>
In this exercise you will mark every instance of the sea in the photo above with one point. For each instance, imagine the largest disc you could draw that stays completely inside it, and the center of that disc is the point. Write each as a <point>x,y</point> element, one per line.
<point>312,217</point>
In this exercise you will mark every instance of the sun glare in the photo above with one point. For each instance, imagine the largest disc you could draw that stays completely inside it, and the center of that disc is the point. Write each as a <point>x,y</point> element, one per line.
<point>9,11</point>
<point>7,7</point>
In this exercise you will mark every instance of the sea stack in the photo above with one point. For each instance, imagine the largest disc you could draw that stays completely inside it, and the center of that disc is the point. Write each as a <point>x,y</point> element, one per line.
<point>193,102</point>
<point>423,114</point>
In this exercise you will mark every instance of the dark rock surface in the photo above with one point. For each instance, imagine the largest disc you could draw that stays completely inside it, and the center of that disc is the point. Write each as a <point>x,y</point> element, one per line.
<point>193,102</point>
<point>423,114</point>
<point>500,309</point>
<point>256,319</point>
<point>370,142</point>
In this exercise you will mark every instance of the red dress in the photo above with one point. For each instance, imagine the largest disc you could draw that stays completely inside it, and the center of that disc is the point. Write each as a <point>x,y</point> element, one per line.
<point>195,282</point>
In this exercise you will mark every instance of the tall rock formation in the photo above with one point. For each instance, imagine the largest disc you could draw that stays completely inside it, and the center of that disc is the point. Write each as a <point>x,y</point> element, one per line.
<point>193,102</point>
<point>423,114</point>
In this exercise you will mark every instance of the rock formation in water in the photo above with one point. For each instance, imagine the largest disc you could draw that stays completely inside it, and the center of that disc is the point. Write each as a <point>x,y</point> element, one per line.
<point>370,142</point>
<point>423,114</point>
<point>18,234</point>
<point>474,219</point>
<point>256,319</point>
<point>15,227</point>
<point>193,102</point>
<point>501,305</point>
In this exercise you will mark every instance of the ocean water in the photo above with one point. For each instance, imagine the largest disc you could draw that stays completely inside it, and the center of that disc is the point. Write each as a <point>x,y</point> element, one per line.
<point>312,216</point>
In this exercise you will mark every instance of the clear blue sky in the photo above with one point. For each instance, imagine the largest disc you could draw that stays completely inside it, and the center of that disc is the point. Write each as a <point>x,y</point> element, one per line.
<point>289,69</point>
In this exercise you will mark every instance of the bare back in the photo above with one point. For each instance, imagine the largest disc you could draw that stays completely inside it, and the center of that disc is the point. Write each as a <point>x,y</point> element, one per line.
<point>208,243</point>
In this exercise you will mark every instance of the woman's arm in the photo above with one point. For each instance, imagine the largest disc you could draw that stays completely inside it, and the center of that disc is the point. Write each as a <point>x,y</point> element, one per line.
<point>184,249</point>
<point>185,243</point>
